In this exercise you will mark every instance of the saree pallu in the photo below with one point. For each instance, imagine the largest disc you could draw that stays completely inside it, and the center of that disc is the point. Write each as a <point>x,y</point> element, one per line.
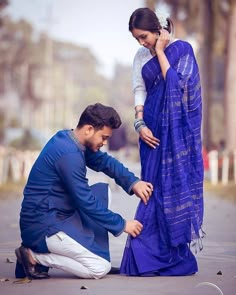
<point>173,217</point>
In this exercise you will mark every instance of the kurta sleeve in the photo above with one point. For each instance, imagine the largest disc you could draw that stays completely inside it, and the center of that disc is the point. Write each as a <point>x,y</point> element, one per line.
<point>72,171</point>
<point>102,162</point>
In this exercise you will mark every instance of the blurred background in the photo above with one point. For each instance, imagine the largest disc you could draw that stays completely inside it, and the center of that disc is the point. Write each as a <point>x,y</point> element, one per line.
<point>58,56</point>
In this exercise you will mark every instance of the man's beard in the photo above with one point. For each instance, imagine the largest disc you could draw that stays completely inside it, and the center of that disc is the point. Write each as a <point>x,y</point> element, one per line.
<point>92,147</point>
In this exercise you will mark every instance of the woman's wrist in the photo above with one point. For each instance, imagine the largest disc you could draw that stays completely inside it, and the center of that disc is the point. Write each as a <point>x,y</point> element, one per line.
<point>139,112</point>
<point>139,124</point>
<point>159,52</point>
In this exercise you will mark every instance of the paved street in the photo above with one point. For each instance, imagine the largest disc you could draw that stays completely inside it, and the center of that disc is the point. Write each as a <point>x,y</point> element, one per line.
<point>219,254</point>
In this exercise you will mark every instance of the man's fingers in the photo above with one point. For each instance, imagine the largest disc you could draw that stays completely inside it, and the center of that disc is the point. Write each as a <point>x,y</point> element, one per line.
<point>150,186</point>
<point>146,193</point>
<point>144,199</point>
<point>136,229</point>
<point>145,196</point>
<point>149,189</point>
<point>133,227</point>
<point>138,224</point>
<point>143,190</point>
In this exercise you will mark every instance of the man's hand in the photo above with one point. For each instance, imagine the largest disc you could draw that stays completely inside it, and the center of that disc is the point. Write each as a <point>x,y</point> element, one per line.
<point>143,190</point>
<point>133,227</point>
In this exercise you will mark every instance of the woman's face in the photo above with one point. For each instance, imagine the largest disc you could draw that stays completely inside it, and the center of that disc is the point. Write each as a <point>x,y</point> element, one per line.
<point>145,38</point>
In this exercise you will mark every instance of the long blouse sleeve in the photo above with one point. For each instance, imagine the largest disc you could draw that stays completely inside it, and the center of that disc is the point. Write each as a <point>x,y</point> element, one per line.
<point>139,89</point>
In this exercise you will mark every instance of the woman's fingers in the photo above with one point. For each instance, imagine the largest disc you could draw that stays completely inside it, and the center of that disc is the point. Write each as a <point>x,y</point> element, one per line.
<point>163,39</point>
<point>147,136</point>
<point>153,142</point>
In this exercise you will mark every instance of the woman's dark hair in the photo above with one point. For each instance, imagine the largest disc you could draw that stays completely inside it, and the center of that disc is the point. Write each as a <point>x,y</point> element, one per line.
<point>98,116</point>
<point>146,19</point>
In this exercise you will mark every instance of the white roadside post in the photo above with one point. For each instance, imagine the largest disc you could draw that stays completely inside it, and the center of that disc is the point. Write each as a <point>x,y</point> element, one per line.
<point>225,168</point>
<point>213,165</point>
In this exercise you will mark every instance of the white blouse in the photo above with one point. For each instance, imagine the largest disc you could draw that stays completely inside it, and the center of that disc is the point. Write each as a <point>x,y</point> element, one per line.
<point>142,56</point>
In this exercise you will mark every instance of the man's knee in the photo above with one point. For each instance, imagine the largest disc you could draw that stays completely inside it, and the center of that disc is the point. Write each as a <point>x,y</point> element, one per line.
<point>102,270</point>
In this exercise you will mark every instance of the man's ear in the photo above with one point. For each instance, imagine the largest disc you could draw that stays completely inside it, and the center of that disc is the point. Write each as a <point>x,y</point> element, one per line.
<point>89,130</point>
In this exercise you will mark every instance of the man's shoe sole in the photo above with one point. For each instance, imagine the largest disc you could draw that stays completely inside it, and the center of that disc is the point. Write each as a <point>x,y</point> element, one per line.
<point>22,259</point>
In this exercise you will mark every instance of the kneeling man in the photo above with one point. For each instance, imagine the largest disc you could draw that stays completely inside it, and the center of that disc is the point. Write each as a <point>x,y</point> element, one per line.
<point>64,222</point>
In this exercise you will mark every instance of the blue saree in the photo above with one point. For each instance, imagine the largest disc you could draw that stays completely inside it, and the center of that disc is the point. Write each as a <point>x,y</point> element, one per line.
<point>173,217</point>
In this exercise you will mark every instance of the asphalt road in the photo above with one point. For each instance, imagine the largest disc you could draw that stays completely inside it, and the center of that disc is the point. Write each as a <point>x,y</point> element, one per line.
<point>219,254</point>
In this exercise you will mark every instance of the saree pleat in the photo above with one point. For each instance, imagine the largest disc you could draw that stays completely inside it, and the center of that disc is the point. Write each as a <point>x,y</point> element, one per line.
<point>173,217</point>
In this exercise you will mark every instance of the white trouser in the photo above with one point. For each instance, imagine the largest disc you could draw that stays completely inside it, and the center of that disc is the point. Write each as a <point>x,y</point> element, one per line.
<point>68,255</point>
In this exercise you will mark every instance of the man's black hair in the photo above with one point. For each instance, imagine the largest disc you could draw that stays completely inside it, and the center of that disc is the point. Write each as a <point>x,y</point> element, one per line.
<point>99,115</point>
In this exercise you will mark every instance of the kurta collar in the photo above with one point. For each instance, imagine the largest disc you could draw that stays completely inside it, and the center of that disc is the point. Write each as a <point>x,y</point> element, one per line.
<point>72,136</point>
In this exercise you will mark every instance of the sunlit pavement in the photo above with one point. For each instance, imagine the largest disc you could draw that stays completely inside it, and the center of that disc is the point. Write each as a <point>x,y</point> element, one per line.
<point>218,255</point>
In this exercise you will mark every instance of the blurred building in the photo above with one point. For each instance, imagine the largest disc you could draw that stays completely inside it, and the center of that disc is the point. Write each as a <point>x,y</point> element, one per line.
<point>44,84</point>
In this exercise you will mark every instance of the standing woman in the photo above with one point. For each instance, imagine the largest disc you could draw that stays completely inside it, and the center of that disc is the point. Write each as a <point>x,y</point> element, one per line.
<point>168,113</point>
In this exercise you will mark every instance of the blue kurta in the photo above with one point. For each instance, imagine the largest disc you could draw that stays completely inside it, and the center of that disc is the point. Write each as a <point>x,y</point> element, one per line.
<point>57,196</point>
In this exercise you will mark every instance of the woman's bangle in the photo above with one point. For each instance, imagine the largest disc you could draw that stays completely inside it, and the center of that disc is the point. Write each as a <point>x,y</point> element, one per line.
<point>139,124</point>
